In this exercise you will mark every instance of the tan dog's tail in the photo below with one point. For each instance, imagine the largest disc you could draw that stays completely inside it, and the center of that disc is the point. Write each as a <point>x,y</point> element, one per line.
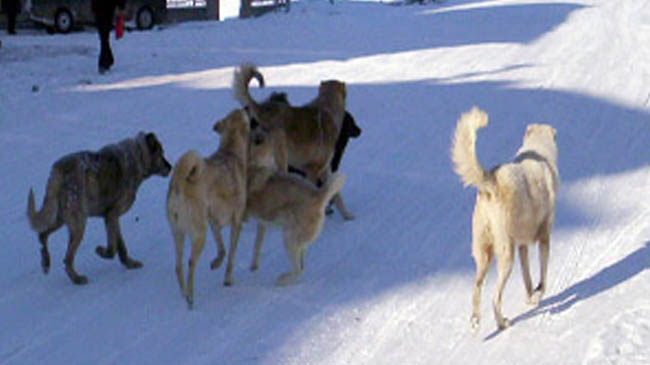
<point>463,150</point>
<point>333,185</point>
<point>241,79</point>
<point>42,220</point>
<point>188,169</point>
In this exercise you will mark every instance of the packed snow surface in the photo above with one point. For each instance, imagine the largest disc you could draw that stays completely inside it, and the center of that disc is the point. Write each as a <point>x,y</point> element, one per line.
<point>393,286</point>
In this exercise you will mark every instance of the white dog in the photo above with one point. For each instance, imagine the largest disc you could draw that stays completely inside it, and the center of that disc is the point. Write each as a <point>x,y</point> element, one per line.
<point>515,205</point>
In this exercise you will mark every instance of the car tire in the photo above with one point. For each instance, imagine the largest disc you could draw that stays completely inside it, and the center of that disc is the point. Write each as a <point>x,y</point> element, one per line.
<point>63,21</point>
<point>144,18</point>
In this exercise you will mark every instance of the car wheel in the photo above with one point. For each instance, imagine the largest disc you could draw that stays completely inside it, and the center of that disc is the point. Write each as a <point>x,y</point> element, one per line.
<point>144,18</point>
<point>63,21</point>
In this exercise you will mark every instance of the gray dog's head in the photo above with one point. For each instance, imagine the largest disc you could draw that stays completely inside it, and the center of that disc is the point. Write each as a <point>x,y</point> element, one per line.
<point>158,164</point>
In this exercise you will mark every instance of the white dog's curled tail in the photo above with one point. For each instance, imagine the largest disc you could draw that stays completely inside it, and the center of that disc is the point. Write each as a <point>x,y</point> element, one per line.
<point>463,150</point>
<point>243,76</point>
<point>42,220</point>
<point>333,185</point>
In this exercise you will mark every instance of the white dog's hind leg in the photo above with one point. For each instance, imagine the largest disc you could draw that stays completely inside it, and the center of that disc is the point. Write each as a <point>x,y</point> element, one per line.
<point>505,260</point>
<point>544,246</point>
<point>525,272</point>
<point>482,259</point>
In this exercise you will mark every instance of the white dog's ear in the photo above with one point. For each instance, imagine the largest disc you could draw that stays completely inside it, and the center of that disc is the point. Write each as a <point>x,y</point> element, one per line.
<point>530,129</point>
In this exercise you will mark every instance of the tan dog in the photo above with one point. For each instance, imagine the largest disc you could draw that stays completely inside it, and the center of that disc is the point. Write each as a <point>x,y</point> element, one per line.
<point>293,203</point>
<point>305,136</point>
<point>515,206</point>
<point>211,190</point>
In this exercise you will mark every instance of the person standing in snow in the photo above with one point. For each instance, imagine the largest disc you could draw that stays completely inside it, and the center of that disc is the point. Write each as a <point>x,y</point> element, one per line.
<point>12,8</point>
<point>104,13</point>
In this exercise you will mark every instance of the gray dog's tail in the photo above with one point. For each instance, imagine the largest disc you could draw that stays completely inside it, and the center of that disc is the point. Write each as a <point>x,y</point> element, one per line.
<point>333,185</point>
<point>241,79</point>
<point>46,217</point>
<point>463,151</point>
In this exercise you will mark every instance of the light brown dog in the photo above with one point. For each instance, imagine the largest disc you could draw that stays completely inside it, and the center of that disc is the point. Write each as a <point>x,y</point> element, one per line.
<point>515,206</point>
<point>210,190</point>
<point>287,200</point>
<point>306,135</point>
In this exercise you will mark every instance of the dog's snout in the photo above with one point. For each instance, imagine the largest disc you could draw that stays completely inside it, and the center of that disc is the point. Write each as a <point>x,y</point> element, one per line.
<point>254,123</point>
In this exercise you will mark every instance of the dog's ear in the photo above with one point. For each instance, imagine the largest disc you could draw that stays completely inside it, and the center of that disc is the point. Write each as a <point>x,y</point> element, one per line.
<point>530,129</point>
<point>152,142</point>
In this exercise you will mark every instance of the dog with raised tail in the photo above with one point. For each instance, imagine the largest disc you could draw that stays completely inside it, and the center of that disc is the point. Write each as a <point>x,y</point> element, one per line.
<point>209,191</point>
<point>515,206</point>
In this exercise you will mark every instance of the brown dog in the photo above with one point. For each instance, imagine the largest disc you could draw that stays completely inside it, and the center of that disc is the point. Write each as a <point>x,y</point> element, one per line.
<point>305,136</point>
<point>211,190</point>
<point>95,184</point>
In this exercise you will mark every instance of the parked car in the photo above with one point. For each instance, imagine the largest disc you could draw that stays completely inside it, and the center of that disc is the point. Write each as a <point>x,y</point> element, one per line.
<point>65,15</point>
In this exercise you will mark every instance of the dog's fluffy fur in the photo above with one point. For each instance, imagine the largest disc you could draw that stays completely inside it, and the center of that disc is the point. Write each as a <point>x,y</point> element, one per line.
<point>95,184</point>
<point>515,206</point>
<point>287,200</point>
<point>305,136</point>
<point>210,191</point>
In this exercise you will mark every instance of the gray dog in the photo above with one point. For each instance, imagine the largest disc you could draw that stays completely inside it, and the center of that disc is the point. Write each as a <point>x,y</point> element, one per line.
<point>96,184</point>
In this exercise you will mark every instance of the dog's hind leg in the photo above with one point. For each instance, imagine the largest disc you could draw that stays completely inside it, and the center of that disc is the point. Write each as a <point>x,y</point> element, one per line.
<point>544,248</point>
<point>296,260</point>
<point>525,272</point>
<point>179,244</point>
<point>221,248</point>
<point>76,223</point>
<point>505,260</point>
<point>198,241</point>
<point>235,229</point>
<point>259,241</point>
<point>45,253</point>
<point>482,258</point>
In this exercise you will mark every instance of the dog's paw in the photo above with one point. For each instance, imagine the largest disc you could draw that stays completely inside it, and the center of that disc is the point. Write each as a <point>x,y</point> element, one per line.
<point>475,324</point>
<point>132,264</point>
<point>503,323</point>
<point>254,267</point>
<point>227,282</point>
<point>80,280</point>
<point>216,262</point>
<point>104,252</point>
<point>190,302</point>
<point>348,216</point>
<point>45,262</point>
<point>535,298</point>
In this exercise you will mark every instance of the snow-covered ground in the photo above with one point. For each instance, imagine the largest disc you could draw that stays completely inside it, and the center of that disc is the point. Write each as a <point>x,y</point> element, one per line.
<point>393,286</point>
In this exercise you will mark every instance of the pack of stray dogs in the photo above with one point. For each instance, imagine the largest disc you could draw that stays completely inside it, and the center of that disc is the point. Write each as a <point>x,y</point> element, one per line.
<point>278,163</point>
